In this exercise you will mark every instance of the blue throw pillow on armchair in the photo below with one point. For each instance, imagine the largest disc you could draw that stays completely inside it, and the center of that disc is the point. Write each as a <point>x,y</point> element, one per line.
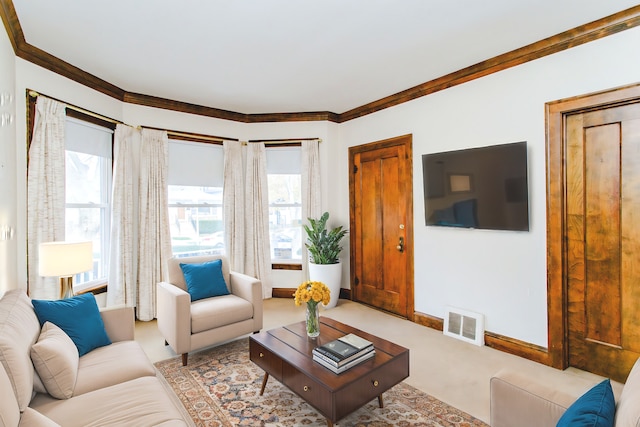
<point>595,408</point>
<point>79,317</point>
<point>204,280</point>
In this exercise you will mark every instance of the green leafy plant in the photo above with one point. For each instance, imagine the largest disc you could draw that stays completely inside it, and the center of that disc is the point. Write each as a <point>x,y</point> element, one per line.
<point>323,245</point>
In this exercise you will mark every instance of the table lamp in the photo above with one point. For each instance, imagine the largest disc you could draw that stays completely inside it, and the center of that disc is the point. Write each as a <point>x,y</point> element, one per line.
<point>64,260</point>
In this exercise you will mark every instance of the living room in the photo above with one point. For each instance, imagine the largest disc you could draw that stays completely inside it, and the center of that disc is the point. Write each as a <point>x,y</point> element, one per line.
<point>502,275</point>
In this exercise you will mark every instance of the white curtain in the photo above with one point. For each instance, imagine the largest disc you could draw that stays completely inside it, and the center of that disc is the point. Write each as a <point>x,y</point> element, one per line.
<point>122,289</point>
<point>258,251</point>
<point>154,238</point>
<point>311,192</point>
<point>233,202</point>
<point>46,190</point>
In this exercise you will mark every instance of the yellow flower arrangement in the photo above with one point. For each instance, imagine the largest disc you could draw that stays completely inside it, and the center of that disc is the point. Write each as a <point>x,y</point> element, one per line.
<point>312,292</point>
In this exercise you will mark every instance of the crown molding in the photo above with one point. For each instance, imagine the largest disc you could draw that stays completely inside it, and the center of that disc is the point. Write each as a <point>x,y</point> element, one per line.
<point>294,117</point>
<point>11,24</point>
<point>577,36</point>
<point>595,30</point>
<point>183,107</point>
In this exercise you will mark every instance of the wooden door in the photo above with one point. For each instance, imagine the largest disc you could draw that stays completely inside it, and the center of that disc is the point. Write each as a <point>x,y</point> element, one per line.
<point>602,232</point>
<point>381,202</point>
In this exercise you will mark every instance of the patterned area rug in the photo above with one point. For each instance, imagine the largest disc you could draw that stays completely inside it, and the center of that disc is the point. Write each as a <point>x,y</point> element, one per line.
<point>221,387</point>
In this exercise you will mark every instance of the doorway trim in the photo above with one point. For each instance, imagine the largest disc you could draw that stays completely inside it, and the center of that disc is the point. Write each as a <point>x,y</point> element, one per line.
<point>556,113</point>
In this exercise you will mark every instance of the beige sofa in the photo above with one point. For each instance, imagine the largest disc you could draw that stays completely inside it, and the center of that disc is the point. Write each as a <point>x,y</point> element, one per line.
<point>115,384</point>
<point>520,400</point>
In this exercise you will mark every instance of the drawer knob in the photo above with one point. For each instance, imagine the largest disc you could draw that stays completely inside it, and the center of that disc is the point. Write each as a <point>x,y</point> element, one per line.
<point>305,388</point>
<point>375,383</point>
<point>261,354</point>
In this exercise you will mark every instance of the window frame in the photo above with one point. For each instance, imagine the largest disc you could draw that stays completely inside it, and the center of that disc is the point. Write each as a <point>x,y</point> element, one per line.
<point>106,183</point>
<point>277,263</point>
<point>207,205</point>
<point>196,206</point>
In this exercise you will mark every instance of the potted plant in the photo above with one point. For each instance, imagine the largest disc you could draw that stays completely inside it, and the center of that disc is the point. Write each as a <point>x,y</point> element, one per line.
<point>324,251</point>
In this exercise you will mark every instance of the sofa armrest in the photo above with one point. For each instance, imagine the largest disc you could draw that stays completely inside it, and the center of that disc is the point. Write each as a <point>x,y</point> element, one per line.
<point>119,322</point>
<point>32,418</point>
<point>533,401</point>
<point>174,316</point>
<point>250,289</point>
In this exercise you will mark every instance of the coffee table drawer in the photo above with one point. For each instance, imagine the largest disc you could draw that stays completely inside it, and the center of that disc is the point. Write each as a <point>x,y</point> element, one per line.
<point>309,389</point>
<point>374,384</point>
<point>266,360</point>
<point>370,385</point>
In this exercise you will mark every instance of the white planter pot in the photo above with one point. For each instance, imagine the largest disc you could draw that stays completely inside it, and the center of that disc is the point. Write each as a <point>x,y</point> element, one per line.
<point>330,275</point>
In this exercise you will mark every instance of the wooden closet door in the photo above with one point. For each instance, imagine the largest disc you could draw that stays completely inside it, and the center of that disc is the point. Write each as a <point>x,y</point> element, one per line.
<point>602,232</point>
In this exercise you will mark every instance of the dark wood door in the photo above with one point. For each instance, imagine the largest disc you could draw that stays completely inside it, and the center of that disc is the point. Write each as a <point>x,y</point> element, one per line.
<point>602,232</point>
<point>381,225</point>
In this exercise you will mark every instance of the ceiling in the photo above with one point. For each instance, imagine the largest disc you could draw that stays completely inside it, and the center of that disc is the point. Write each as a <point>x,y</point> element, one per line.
<point>281,56</point>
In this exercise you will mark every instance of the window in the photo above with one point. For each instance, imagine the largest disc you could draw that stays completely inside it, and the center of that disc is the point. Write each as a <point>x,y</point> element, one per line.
<point>88,158</point>
<point>195,198</point>
<point>285,203</point>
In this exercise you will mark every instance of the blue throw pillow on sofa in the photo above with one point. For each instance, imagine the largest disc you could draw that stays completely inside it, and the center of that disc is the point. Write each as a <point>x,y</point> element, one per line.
<point>595,408</point>
<point>204,280</point>
<point>79,317</point>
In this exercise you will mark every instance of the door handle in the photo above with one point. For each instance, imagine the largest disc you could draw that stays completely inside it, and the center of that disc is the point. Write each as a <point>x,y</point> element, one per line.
<point>400,246</point>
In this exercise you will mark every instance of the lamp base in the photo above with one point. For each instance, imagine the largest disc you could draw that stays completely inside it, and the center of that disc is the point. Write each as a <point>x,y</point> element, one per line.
<point>66,287</point>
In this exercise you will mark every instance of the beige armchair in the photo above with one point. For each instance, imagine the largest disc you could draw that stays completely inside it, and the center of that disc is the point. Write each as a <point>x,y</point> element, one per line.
<point>187,326</point>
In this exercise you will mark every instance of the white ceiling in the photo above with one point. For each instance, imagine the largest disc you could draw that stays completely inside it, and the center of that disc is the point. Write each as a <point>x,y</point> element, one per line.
<point>277,56</point>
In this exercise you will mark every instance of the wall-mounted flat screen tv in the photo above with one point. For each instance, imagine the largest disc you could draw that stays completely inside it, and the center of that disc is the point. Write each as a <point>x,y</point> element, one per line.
<point>484,187</point>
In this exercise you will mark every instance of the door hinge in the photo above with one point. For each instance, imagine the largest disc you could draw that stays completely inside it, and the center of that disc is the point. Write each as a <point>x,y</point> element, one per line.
<point>356,281</point>
<point>355,169</point>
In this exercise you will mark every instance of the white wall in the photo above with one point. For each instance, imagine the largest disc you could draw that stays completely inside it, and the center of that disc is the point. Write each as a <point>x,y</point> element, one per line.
<point>8,213</point>
<point>138,115</point>
<point>497,273</point>
<point>500,274</point>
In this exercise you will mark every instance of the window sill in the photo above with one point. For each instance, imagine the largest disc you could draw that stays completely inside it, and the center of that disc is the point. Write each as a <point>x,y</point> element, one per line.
<point>286,266</point>
<point>94,287</point>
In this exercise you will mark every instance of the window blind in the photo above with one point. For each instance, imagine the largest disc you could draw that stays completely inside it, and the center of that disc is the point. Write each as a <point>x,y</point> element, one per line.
<point>195,164</point>
<point>283,160</point>
<point>84,137</point>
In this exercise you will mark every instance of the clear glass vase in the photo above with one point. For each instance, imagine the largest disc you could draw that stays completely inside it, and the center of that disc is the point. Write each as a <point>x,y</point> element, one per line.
<point>313,320</point>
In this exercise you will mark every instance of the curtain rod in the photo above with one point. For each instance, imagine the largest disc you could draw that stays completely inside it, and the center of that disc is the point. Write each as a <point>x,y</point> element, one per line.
<point>34,94</point>
<point>284,141</point>
<point>189,136</point>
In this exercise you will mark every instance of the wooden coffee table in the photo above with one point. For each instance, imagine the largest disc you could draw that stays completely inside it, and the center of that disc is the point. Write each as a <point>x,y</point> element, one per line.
<point>285,354</point>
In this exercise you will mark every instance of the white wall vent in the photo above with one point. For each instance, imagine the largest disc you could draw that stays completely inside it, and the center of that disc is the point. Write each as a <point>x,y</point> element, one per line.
<point>464,325</point>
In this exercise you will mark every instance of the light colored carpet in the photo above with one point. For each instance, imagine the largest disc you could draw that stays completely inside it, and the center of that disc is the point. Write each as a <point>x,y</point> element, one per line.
<point>220,387</point>
<point>450,370</point>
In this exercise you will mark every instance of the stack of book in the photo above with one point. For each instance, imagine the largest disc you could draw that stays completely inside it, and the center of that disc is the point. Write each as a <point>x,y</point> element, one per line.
<point>343,353</point>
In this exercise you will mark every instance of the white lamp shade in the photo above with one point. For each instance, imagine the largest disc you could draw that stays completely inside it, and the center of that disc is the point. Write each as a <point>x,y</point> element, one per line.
<point>65,258</point>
